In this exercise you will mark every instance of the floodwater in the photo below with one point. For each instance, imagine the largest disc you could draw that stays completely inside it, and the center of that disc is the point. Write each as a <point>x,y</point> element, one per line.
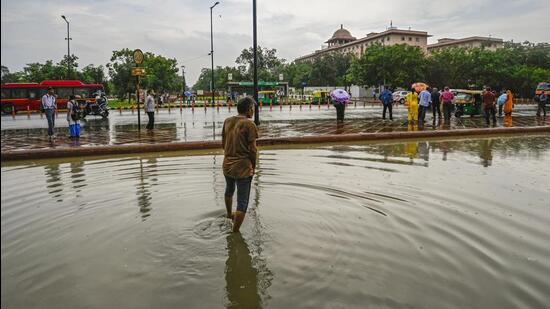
<point>430,224</point>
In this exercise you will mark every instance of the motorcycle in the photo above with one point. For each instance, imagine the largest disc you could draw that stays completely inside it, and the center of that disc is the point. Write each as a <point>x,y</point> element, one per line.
<point>98,108</point>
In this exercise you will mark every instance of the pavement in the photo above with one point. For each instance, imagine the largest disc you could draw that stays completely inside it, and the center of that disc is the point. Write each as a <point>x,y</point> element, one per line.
<point>30,131</point>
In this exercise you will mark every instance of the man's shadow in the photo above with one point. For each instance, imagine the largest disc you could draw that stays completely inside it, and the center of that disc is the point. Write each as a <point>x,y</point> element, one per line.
<point>240,276</point>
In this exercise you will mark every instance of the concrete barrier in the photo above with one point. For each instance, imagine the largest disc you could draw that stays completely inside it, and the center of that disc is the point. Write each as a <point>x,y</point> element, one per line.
<point>65,152</point>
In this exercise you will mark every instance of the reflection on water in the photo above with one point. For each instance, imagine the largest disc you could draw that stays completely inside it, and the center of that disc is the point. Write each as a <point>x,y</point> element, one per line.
<point>240,276</point>
<point>415,224</point>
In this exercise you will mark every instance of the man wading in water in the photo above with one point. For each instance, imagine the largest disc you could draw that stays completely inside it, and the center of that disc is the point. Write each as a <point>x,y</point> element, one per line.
<point>239,136</point>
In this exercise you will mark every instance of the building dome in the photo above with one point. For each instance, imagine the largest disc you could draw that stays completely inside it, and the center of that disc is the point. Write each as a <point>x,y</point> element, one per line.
<point>340,36</point>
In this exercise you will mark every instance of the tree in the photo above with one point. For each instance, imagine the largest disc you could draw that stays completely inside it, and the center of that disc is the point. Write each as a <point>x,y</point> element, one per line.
<point>220,74</point>
<point>8,77</point>
<point>268,63</point>
<point>120,71</point>
<point>396,65</point>
<point>330,70</point>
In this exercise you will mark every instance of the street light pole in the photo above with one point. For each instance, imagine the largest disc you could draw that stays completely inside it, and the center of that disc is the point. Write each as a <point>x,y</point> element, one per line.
<point>68,48</point>
<point>255,48</point>
<point>183,83</point>
<point>212,50</point>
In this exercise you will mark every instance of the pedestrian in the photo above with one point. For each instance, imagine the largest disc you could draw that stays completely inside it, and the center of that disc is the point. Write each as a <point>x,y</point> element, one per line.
<point>239,136</point>
<point>500,102</point>
<point>374,94</point>
<point>49,106</point>
<point>412,102</point>
<point>446,100</point>
<point>435,104</point>
<point>424,101</point>
<point>386,97</point>
<point>509,104</point>
<point>340,109</point>
<point>489,106</point>
<point>150,109</point>
<point>543,100</point>
<point>73,117</point>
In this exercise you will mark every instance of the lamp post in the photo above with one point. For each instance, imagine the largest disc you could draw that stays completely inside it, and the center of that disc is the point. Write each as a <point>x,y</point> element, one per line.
<point>212,50</point>
<point>255,48</point>
<point>68,48</point>
<point>183,83</point>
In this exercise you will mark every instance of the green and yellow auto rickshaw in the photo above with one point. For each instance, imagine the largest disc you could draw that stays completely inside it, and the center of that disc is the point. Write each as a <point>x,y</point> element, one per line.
<point>268,96</point>
<point>321,96</point>
<point>468,102</point>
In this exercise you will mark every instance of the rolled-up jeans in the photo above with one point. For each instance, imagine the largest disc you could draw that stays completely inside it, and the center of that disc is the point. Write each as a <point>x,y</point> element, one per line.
<point>243,191</point>
<point>50,116</point>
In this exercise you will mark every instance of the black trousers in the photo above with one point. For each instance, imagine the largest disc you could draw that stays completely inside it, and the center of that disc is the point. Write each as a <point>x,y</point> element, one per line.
<point>340,108</point>
<point>447,111</point>
<point>389,108</point>
<point>151,123</point>
<point>436,109</point>
<point>490,112</point>
<point>541,107</point>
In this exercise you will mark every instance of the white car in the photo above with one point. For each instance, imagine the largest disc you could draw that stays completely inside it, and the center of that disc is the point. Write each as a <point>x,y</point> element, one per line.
<point>399,96</point>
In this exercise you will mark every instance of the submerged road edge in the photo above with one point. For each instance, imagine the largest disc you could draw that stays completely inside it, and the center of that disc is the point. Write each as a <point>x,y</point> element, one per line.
<point>67,152</point>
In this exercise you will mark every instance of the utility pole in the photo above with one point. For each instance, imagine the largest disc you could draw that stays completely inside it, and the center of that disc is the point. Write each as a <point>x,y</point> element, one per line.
<point>255,47</point>
<point>68,48</point>
<point>212,50</point>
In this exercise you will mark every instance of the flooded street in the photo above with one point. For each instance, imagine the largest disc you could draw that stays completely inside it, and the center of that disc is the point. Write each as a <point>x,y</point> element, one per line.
<point>428,224</point>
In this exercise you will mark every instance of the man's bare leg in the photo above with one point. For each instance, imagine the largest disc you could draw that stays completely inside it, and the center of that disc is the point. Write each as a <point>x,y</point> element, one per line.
<point>229,206</point>
<point>238,219</point>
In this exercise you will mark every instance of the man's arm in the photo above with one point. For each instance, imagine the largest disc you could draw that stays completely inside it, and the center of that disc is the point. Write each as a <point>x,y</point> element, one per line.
<point>223,136</point>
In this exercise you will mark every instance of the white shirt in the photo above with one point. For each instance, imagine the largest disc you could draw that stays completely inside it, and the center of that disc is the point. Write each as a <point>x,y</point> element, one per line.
<point>150,104</point>
<point>48,101</point>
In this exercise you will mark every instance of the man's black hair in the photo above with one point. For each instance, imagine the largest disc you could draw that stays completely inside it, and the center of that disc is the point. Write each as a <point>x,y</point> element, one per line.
<point>244,104</point>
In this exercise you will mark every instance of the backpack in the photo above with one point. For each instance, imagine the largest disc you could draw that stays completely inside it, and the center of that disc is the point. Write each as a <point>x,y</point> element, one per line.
<point>75,114</point>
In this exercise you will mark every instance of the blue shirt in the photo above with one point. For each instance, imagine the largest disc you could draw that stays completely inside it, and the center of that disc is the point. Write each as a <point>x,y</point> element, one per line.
<point>386,96</point>
<point>425,98</point>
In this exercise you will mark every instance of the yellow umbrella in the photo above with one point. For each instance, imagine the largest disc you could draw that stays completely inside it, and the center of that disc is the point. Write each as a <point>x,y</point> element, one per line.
<point>419,86</point>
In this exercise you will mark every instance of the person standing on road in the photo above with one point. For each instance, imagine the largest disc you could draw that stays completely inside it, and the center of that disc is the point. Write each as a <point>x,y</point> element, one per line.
<point>150,109</point>
<point>424,102</point>
<point>386,97</point>
<point>446,100</point>
<point>411,100</point>
<point>543,100</point>
<point>73,117</point>
<point>500,102</point>
<point>239,136</point>
<point>509,104</point>
<point>489,106</point>
<point>435,104</point>
<point>49,106</point>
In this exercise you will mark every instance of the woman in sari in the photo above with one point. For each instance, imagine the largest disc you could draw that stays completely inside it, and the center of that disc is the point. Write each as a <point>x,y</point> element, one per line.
<point>509,104</point>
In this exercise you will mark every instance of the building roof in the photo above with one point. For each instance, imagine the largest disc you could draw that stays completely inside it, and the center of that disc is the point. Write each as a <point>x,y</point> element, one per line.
<point>447,41</point>
<point>341,34</point>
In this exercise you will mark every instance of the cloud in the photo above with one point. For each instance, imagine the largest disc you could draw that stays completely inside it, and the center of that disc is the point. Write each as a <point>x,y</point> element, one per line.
<point>33,31</point>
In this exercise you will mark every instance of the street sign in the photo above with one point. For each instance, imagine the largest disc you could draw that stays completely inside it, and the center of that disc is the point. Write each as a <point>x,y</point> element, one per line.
<point>138,56</point>
<point>229,76</point>
<point>138,71</point>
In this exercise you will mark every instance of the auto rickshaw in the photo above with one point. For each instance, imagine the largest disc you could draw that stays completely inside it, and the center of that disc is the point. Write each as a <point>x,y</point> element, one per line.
<point>321,97</point>
<point>468,102</point>
<point>268,96</point>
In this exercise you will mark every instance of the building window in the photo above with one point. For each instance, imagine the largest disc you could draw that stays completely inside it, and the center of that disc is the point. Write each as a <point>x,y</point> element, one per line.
<point>410,39</point>
<point>402,38</point>
<point>388,38</point>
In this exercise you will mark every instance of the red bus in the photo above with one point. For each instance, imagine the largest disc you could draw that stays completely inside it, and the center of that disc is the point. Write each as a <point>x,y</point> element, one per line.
<point>20,96</point>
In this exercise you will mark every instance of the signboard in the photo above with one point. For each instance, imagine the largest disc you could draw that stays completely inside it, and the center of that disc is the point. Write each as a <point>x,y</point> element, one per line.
<point>281,77</point>
<point>200,92</point>
<point>138,56</point>
<point>138,71</point>
<point>229,76</point>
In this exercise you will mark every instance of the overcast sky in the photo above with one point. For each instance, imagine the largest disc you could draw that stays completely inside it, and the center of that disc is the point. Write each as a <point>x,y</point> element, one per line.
<point>33,31</point>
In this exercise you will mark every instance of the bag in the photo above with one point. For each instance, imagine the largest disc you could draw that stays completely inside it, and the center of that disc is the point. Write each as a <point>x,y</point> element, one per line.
<point>75,113</point>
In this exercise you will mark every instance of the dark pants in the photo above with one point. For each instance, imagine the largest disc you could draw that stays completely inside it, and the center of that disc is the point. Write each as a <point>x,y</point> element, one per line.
<point>50,116</point>
<point>436,109</point>
<point>151,123</point>
<point>500,109</point>
<point>340,108</point>
<point>447,111</point>
<point>542,107</point>
<point>387,106</point>
<point>243,191</point>
<point>490,112</point>
<point>422,114</point>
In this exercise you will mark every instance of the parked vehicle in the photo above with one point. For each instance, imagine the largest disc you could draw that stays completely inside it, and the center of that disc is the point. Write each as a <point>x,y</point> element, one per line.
<point>97,107</point>
<point>321,97</point>
<point>399,96</point>
<point>268,96</point>
<point>27,96</point>
<point>467,102</point>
